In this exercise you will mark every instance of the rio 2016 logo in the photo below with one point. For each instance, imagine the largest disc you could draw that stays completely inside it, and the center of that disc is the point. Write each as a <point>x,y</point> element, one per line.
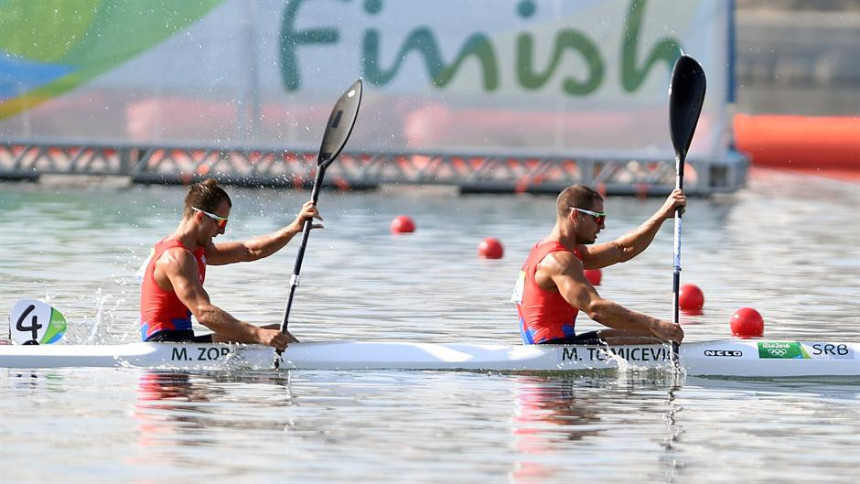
<point>782,350</point>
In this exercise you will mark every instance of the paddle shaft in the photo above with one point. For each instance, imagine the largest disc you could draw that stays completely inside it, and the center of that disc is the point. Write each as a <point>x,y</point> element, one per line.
<point>676,265</point>
<point>297,268</point>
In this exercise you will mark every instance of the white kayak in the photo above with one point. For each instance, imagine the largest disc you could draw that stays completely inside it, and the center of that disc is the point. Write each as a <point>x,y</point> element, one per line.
<point>726,358</point>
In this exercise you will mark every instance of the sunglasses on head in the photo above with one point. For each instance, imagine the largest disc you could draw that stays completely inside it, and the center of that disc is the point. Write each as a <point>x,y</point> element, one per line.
<point>221,222</point>
<point>599,217</point>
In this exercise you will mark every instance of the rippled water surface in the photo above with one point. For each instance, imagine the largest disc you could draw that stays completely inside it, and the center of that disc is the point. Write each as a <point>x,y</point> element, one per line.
<point>788,246</point>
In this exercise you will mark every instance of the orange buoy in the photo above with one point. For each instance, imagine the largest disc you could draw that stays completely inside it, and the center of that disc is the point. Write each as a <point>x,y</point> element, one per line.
<point>594,276</point>
<point>491,248</point>
<point>691,298</point>
<point>747,323</point>
<point>402,225</point>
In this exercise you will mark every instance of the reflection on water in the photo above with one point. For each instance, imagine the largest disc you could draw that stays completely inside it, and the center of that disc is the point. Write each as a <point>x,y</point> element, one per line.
<point>558,417</point>
<point>551,401</point>
<point>554,401</point>
<point>167,407</point>
<point>186,398</point>
<point>423,426</point>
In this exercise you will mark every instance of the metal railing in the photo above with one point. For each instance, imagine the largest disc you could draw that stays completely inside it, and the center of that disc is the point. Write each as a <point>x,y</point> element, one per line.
<point>507,172</point>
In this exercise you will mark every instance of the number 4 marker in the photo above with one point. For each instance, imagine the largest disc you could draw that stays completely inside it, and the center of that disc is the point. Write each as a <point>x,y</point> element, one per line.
<point>35,322</point>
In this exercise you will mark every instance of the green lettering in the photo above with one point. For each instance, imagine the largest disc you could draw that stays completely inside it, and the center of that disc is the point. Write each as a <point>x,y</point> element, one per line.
<point>291,39</point>
<point>479,47</point>
<point>423,41</point>
<point>667,49</point>
<point>565,39</point>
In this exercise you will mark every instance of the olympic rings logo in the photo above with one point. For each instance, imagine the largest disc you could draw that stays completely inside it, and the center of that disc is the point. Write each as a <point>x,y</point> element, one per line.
<point>778,351</point>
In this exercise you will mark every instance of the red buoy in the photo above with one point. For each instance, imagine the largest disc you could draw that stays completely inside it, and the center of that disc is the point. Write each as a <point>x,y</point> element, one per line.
<point>594,276</point>
<point>402,225</point>
<point>747,323</point>
<point>691,298</point>
<point>490,248</point>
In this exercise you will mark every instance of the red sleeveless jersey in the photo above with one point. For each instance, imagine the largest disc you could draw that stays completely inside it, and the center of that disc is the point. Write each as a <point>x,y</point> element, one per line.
<point>544,315</point>
<point>162,310</point>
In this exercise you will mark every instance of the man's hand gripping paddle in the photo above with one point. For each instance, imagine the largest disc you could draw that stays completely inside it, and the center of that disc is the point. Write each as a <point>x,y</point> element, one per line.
<point>337,131</point>
<point>686,96</point>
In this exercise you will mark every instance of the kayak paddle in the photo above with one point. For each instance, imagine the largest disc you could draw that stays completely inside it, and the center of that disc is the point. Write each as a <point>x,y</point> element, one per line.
<point>686,96</point>
<point>337,131</point>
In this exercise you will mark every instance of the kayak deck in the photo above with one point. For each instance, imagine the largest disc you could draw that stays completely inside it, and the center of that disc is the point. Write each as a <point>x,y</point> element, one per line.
<point>731,358</point>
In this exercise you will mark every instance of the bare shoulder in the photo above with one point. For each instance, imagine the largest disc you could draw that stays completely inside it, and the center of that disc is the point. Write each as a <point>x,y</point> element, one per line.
<point>558,270</point>
<point>176,259</point>
<point>561,262</point>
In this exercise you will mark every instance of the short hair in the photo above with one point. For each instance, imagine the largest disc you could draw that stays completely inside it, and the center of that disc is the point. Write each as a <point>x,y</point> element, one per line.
<point>577,196</point>
<point>206,196</point>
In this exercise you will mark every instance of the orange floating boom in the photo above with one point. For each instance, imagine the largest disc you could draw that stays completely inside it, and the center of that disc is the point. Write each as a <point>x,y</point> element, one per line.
<point>827,145</point>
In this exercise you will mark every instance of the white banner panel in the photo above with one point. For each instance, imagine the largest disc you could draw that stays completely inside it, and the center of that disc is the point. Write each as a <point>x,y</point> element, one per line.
<point>489,75</point>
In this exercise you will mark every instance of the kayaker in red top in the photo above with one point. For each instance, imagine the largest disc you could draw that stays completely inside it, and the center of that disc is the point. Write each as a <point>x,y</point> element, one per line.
<point>172,289</point>
<point>552,287</point>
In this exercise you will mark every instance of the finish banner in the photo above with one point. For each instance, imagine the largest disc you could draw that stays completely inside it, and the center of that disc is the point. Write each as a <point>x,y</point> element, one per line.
<point>547,76</point>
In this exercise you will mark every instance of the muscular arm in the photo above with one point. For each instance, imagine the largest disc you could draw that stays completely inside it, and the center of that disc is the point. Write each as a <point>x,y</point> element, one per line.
<point>262,246</point>
<point>635,242</point>
<point>562,271</point>
<point>251,249</point>
<point>177,269</point>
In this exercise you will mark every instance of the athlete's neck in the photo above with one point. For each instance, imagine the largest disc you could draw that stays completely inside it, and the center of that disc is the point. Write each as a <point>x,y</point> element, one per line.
<point>186,233</point>
<point>561,235</point>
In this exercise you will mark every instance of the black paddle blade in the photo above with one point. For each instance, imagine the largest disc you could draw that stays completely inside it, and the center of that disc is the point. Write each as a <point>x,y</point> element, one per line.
<point>686,95</point>
<point>340,124</point>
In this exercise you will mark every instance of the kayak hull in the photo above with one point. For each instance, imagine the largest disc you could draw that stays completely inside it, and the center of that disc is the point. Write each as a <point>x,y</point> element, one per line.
<point>731,358</point>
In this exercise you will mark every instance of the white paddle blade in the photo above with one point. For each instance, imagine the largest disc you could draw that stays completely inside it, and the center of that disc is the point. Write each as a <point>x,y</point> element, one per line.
<point>35,322</point>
